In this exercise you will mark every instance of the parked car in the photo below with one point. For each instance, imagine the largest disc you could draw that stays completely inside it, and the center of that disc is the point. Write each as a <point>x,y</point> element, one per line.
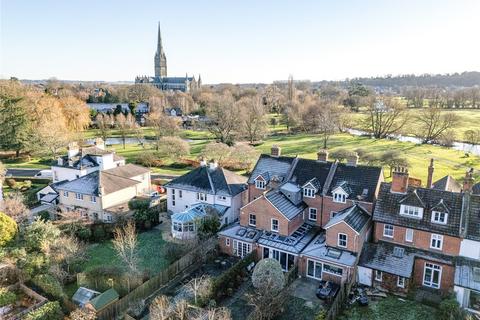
<point>327,290</point>
<point>44,174</point>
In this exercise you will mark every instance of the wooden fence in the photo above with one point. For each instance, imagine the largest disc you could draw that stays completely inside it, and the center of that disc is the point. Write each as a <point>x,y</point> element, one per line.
<point>151,286</point>
<point>338,302</point>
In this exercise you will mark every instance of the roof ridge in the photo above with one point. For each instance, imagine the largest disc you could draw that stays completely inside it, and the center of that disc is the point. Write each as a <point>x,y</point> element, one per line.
<point>210,181</point>
<point>292,168</point>
<point>329,179</point>
<point>116,175</point>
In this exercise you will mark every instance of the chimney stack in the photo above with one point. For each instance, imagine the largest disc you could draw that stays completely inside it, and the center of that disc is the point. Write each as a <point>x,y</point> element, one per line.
<point>468,181</point>
<point>213,164</point>
<point>431,168</point>
<point>322,155</point>
<point>99,143</point>
<point>399,180</point>
<point>72,149</point>
<point>203,163</point>
<point>352,159</point>
<point>276,151</point>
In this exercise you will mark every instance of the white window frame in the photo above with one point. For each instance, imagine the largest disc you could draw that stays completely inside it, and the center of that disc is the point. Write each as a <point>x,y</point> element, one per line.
<point>401,282</point>
<point>201,196</point>
<point>241,249</point>
<point>411,211</point>
<point>250,219</point>
<point>378,275</point>
<point>339,197</point>
<point>334,266</point>
<point>309,192</point>
<point>79,196</point>
<point>312,211</point>
<point>437,215</point>
<point>93,199</point>
<point>340,241</point>
<point>260,184</point>
<point>180,194</point>
<point>385,228</point>
<point>407,239</point>
<point>315,263</point>
<point>433,268</point>
<point>173,197</point>
<point>65,194</point>
<point>271,225</point>
<point>438,240</point>
<point>227,242</point>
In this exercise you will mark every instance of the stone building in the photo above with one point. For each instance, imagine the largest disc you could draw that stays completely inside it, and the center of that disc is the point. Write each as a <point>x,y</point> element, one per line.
<point>161,80</point>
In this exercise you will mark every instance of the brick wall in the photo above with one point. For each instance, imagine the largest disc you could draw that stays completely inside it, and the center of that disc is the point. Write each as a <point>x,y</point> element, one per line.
<point>389,282</point>
<point>302,269</point>
<point>329,206</point>
<point>448,274</point>
<point>421,239</point>
<point>264,212</point>
<point>354,241</point>
<point>253,192</point>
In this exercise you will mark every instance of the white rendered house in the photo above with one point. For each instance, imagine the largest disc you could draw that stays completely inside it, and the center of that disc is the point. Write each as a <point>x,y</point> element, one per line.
<point>209,184</point>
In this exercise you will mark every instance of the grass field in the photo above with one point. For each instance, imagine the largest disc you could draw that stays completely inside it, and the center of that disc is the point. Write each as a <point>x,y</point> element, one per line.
<point>468,120</point>
<point>391,308</point>
<point>151,249</point>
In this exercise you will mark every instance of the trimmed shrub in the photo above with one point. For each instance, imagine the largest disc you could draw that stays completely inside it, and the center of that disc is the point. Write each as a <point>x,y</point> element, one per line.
<point>44,215</point>
<point>49,285</point>
<point>11,183</point>
<point>49,311</point>
<point>6,297</point>
<point>8,229</point>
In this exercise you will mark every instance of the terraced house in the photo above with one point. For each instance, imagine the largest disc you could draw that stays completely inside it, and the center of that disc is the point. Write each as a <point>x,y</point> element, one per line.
<point>315,213</point>
<point>425,238</point>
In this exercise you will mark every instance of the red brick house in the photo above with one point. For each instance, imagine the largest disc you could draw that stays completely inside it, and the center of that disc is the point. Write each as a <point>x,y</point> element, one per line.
<point>298,205</point>
<point>417,237</point>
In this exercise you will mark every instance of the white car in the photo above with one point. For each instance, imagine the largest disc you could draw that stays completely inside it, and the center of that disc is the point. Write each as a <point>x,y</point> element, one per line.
<point>44,174</point>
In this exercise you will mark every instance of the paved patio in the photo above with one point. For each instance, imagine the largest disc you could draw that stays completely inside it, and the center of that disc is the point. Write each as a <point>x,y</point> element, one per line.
<point>305,288</point>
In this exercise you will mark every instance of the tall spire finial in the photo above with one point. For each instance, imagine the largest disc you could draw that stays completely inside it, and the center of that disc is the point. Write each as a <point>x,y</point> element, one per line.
<point>160,58</point>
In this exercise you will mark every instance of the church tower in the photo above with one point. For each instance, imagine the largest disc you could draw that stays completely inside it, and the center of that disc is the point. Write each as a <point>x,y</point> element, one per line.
<point>160,58</point>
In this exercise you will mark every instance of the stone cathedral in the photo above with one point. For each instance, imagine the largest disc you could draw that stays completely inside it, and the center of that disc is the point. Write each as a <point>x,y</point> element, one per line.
<point>161,80</point>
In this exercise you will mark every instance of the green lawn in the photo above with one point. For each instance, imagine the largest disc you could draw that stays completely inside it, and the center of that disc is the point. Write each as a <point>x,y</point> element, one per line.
<point>468,120</point>
<point>390,308</point>
<point>151,248</point>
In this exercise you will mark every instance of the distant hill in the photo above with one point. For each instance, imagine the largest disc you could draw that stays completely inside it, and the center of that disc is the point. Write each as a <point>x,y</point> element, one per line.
<point>464,79</point>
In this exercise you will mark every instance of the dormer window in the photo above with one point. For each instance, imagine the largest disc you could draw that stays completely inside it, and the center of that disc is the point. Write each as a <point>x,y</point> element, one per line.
<point>309,192</point>
<point>260,184</point>
<point>439,217</point>
<point>411,211</point>
<point>339,197</point>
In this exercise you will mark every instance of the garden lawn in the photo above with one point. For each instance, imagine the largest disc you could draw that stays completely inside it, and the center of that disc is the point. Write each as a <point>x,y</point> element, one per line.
<point>390,308</point>
<point>151,248</point>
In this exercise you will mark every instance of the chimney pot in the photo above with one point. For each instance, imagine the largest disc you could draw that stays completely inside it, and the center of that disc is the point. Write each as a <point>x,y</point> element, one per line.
<point>322,155</point>
<point>213,164</point>
<point>276,151</point>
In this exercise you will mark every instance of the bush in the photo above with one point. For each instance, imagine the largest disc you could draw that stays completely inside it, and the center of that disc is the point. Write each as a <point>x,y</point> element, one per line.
<point>449,309</point>
<point>11,183</point>
<point>139,204</point>
<point>49,285</point>
<point>8,229</point>
<point>49,311</point>
<point>148,159</point>
<point>83,233</point>
<point>6,297</point>
<point>27,184</point>
<point>99,233</point>
<point>44,215</point>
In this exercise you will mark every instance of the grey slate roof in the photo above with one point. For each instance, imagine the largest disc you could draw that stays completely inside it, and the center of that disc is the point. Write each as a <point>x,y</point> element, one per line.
<point>382,256</point>
<point>465,270</point>
<point>317,249</point>
<point>89,184</point>
<point>212,181</point>
<point>476,188</point>
<point>284,205</point>
<point>307,169</point>
<point>269,166</point>
<point>473,227</point>
<point>355,216</point>
<point>357,178</point>
<point>387,209</point>
<point>447,183</point>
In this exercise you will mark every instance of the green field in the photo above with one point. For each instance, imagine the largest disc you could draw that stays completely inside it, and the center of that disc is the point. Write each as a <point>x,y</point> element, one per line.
<point>391,308</point>
<point>151,249</point>
<point>468,120</point>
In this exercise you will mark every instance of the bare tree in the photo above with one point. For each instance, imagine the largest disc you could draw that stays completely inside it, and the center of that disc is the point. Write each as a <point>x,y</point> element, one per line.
<point>160,308</point>
<point>173,148</point>
<point>200,288</point>
<point>104,123</point>
<point>223,116</point>
<point>14,206</point>
<point>216,151</point>
<point>323,117</point>
<point>162,125</point>
<point>126,125</point>
<point>434,123</point>
<point>386,116</point>
<point>82,314</point>
<point>125,244</point>
<point>68,250</point>
<point>253,118</point>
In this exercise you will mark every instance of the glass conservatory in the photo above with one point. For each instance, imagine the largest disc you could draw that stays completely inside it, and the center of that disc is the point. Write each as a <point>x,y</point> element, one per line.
<point>184,224</point>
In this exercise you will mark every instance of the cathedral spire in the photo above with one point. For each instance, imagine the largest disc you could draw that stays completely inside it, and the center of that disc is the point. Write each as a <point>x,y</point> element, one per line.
<point>160,57</point>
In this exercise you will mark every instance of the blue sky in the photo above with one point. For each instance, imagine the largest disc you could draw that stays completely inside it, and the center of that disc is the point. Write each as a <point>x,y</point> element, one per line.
<point>238,41</point>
